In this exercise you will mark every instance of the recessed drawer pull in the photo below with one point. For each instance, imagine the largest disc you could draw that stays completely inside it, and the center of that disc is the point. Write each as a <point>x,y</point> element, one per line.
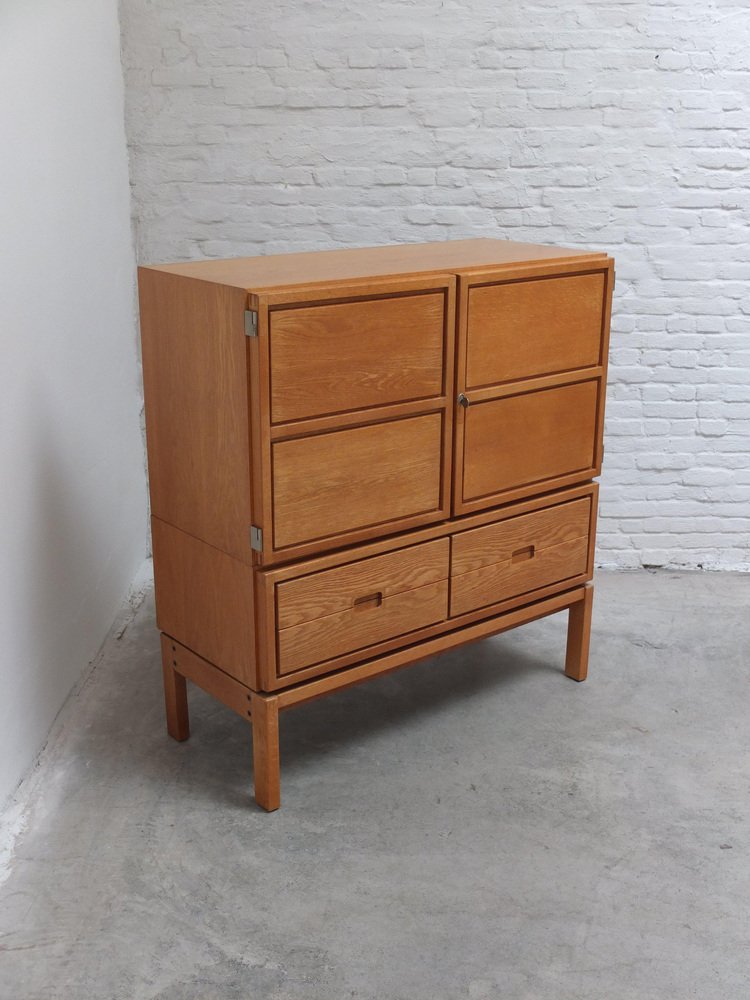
<point>521,555</point>
<point>370,600</point>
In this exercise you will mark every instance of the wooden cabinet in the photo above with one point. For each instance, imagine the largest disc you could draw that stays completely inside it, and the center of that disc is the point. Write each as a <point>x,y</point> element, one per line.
<point>360,458</point>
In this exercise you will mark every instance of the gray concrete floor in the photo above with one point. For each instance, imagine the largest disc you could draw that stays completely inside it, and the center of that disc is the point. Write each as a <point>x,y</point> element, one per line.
<point>476,826</point>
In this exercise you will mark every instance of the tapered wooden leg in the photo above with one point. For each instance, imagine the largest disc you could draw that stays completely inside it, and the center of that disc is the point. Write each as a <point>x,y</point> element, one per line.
<point>175,693</point>
<point>265,718</point>
<point>579,634</point>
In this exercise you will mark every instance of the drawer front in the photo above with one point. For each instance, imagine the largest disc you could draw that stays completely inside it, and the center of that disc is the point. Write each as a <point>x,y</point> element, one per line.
<point>351,607</point>
<point>327,359</point>
<point>518,555</point>
<point>379,477</point>
<point>522,329</point>
<point>520,442</point>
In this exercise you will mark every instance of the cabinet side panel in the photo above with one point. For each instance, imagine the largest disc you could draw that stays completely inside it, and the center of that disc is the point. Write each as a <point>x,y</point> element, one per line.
<point>204,599</point>
<point>195,387</point>
<point>604,361</point>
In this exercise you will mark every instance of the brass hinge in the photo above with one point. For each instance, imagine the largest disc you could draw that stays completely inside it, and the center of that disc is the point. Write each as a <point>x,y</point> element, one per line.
<point>256,538</point>
<point>251,323</point>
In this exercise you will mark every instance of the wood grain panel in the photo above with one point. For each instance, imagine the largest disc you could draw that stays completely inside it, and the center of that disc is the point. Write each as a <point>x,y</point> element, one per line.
<point>329,484</point>
<point>195,384</point>
<point>333,590</point>
<point>518,555</point>
<point>353,355</point>
<point>524,328</point>
<point>257,274</point>
<point>204,600</point>
<point>529,438</point>
<point>361,626</point>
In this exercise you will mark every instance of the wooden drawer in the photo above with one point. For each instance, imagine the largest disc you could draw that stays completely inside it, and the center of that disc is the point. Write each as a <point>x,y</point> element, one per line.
<point>333,358</point>
<point>520,329</point>
<point>348,608</point>
<point>519,555</point>
<point>517,444</point>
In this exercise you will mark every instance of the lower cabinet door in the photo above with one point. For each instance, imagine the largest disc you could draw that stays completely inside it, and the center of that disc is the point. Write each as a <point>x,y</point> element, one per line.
<point>527,443</point>
<point>518,555</point>
<point>333,612</point>
<point>358,481</point>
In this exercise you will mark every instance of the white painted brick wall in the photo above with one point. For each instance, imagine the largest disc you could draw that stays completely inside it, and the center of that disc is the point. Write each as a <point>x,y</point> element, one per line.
<point>304,124</point>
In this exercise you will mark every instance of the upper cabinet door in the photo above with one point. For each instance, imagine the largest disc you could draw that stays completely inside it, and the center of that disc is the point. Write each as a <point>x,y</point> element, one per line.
<point>531,370</point>
<point>355,355</point>
<point>520,329</point>
<point>351,389</point>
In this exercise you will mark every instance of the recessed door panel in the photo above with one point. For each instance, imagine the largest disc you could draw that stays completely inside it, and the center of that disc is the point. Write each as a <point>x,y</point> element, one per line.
<point>344,356</point>
<point>378,477</point>
<point>521,329</point>
<point>528,439</point>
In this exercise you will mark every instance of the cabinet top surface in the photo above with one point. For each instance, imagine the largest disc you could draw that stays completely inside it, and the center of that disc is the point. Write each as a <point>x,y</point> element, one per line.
<point>257,274</point>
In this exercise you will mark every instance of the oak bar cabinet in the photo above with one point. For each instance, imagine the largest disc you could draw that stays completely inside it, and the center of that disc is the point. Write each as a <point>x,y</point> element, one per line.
<point>361,458</point>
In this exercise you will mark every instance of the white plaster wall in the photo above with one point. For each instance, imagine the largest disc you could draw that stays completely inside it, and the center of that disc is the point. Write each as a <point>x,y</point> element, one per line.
<point>299,124</point>
<point>72,486</point>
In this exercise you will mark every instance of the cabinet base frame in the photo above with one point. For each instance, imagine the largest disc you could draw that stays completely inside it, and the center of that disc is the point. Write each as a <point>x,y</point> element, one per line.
<point>262,710</point>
